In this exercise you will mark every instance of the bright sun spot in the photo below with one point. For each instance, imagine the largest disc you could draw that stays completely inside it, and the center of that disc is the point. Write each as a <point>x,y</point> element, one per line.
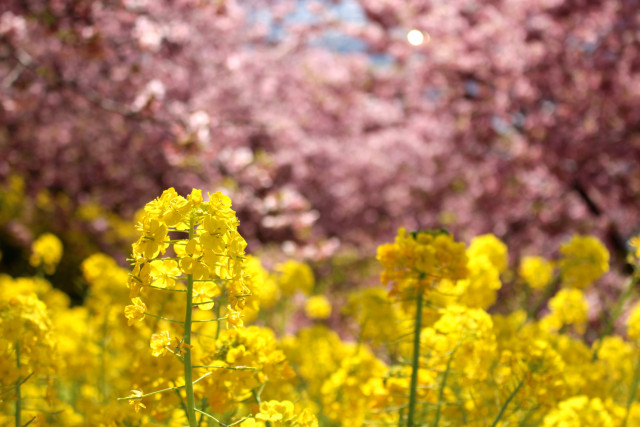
<point>416,38</point>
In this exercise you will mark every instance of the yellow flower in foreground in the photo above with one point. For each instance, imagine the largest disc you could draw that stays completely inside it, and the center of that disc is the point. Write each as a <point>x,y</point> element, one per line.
<point>580,411</point>
<point>283,414</point>
<point>275,411</point>
<point>234,318</point>
<point>317,307</point>
<point>159,343</point>
<point>135,311</point>
<point>137,403</point>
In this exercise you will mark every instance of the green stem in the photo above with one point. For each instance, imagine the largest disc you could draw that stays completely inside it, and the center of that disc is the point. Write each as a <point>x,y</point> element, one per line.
<point>257,396</point>
<point>30,421</point>
<point>210,320</point>
<point>416,358</point>
<point>163,318</point>
<point>401,416</point>
<point>442,386</point>
<point>506,403</point>
<point>180,387</point>
<point>220,422</point>
<point>210,416</point>
<point>463,412</point>
<point>177,391</point>
<point>634,390</point>
<point>217,308</point>
<point>18,384</point>
<point>211,301</point>
<point>203,404</point>
<point>167,289</point>
<point>188,372</point>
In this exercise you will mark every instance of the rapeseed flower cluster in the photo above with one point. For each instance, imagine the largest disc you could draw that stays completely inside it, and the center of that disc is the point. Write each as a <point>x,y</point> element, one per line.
<point>318,307</point>
<point>584,260</point>
<point>432,344</point>
<point>210,250</point>
<point>536,271</point>
<point>29,355</point>
<point>191,246</point>
<point>417,261</point>
<point>295,276</point>
<point>46,252</point>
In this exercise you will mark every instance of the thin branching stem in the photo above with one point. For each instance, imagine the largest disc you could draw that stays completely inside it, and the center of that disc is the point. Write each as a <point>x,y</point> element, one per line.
<point>188,370</point>
<point>233,368</point>
<point>163,318</point>
<point>163,390</point>
<point>210,320</point>
<point>220,422</point>
<point>413,391</point>
<point>442,386</point>
<point>506,402</point>
<point>18,384</point>
<point>167,289</point>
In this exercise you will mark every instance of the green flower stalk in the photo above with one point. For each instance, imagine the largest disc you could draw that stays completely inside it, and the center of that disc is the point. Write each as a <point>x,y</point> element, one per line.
<point>188,370</point>
<point>415,366</point>
<point>18,384</point>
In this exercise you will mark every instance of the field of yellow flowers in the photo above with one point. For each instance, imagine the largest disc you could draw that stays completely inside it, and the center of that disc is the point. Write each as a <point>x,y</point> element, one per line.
<point>173,340</point>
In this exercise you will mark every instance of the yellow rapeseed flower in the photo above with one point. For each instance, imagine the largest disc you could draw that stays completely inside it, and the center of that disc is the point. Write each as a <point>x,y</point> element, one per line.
<point>492,247</point>
<point>568,307</point>
<point>46,252</point>
<point>536,271</point>
<point>584,260</point>
<point>159,343</point>
<point>581,411</point>
<point>294,276</point>
<point>137,403</point>
<point>274,411</point>
<point>317,307</point>
<point>135,311</point>
<point>419,260</point>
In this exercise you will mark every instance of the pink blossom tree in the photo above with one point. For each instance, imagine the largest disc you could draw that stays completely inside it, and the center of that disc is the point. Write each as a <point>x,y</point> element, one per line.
<point>518,118</point>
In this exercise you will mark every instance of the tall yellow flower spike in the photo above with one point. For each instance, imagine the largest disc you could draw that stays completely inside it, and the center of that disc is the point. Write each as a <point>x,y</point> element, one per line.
<point>413,265</point>
<point>207,266</point>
